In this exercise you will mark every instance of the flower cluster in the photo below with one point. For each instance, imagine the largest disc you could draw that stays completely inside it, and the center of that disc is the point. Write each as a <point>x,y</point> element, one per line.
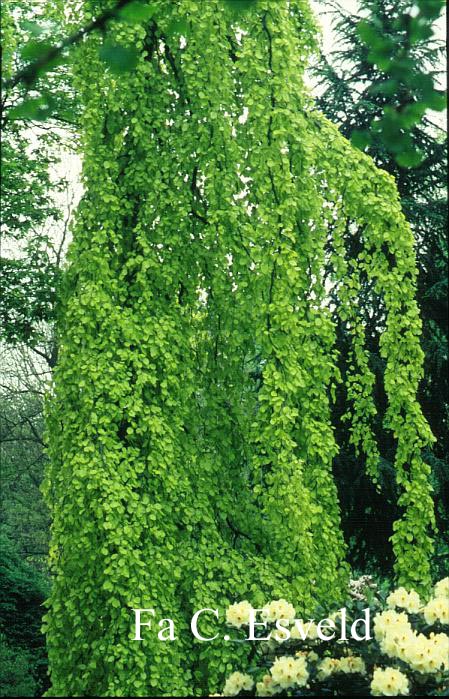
<point>309,628</point>
<point>237,682</point>
<point>407,654</point>
<point>289,672</point>
<point>441,589</point>
<point>239,614</point>
<point>350,664</point>
<point>278,609</point>
<point>398,639</point>
<point>437,609</point>
<point>389,682</point>
<point>404,600</point>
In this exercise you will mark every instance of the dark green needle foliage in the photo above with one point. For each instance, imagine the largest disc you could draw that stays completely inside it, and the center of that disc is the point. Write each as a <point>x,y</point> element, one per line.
<point>355,91</point>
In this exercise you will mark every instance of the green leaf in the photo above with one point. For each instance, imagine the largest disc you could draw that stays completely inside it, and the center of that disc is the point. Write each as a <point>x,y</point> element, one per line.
<point>137,12</point>
<point>368,33</point>
<point>34,50</point>
<point>36,109</point>
<point>119,59</point>
<point>437,100</point>
<point>178,27</point>
<point>32,27</point>
<point>361,139</point>
<point>412,114</point>
<point>431,9</point>
<point>382,61</point>
<point>387,87</point>
<point>410,158</point>
<point>238,6</point>
<point>419,30</point>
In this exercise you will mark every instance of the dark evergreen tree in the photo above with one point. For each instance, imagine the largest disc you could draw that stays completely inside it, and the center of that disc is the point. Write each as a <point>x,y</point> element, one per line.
<point>355,92</point>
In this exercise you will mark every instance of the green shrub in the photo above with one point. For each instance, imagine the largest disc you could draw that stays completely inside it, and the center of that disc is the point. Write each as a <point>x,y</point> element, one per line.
<point>16,672</point>
<point>23,590</point>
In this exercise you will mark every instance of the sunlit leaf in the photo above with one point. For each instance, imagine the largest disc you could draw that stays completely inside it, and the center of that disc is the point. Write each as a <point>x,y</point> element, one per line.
<point>32,27</point>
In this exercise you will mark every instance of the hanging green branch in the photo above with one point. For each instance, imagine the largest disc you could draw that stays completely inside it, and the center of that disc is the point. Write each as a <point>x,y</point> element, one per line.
<point>46,57</point>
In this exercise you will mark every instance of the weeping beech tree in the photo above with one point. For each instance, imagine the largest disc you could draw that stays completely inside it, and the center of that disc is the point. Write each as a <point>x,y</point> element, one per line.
<point>191,444</point>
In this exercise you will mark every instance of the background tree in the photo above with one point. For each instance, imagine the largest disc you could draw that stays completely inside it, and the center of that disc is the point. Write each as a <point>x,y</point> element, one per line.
<point>34,229</point>
<point>23,590</point>
<point>355,92</point>
<point>31,147</point>
<point>24,518</point>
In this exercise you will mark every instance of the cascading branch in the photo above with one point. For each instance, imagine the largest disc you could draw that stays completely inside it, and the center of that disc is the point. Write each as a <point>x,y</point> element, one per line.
<point>190,436</point>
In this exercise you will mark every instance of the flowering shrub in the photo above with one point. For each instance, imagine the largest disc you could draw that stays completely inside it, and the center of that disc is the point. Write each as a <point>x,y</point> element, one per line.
<point>407,651</point>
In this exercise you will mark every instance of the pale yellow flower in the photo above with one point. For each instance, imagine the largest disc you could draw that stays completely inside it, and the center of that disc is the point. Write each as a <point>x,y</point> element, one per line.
<point>309,630</point>
<point>281,634</point>
<point>267,687</point>
<point>415,653</point>
<point>437,609</point>
<point>396,640</point>
<point>388,620</point>
<point>236,682</point>
<point>327,667</point>
<point>238,614</point>
<point>440,643</point>
<point>441,589</point>
<point>294,633</point>
<point>352,664</point>
<point>389,682</point>
<point>404,600</point>
<point>397,598</point>
<point>278,609</point>
<point>288,672</point>
<point>414,603</point>
<point>424,655</point>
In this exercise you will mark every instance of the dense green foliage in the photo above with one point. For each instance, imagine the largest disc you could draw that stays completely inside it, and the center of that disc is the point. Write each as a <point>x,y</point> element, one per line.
<point>23,590</point>
<point>190,432</point>
<point>29,270</point>
<point>29,275</point>
<point>352,93</point>
<point>24,534</point>
<point>24,518</point>
<point>393,34</point>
